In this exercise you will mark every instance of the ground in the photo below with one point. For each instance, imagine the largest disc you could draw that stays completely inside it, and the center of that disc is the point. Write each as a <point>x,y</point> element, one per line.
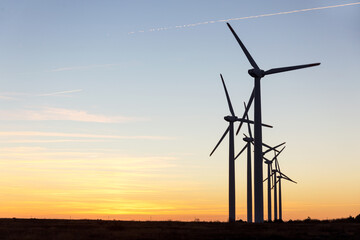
<point>26,229</point>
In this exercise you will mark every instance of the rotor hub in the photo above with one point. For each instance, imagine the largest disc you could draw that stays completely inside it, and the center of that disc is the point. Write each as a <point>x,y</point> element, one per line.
<point>256,73</point>
<point>247,139</point>
<point>230,118</point>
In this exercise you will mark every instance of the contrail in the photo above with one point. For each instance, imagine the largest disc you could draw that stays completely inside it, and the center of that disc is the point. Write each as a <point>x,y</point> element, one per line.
<point>85,67</point>
<point>59,93</point>
<point>242,18</point>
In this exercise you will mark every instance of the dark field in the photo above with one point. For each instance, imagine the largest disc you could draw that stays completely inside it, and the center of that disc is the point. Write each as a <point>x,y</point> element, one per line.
<point>23,229</point>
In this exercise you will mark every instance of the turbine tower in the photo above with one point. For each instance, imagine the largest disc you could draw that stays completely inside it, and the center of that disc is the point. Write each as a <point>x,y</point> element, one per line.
<point>247,146</point>
<point>231,119</point>
<point>257,74</point>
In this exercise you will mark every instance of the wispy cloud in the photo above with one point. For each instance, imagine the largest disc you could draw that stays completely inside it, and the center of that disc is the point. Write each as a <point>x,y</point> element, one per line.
<point>85,67</point>
<point>60,93</point>
<point>77,135</point>
<point>50,140</point>
<point>243,18</point>
<point>50,113</point>
<point>20,95</point>
<point>13,95</point>
<point>4,97</point>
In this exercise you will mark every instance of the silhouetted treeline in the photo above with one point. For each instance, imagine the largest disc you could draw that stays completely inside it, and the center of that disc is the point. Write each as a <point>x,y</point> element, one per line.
<point>350,219</point>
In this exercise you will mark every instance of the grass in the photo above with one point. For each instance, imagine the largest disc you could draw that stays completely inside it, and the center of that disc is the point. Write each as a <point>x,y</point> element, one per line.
<point>52,229</point>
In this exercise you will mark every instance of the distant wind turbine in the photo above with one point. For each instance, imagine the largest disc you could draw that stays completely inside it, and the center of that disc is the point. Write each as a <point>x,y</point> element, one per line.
<point>257,74</point>
<point>281,176</point>
<point>269,172</point>
<point>230,129</point>
<point>250,140</point>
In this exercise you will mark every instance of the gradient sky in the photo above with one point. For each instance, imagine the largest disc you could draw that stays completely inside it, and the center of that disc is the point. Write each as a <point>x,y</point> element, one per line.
<point>102,117</point>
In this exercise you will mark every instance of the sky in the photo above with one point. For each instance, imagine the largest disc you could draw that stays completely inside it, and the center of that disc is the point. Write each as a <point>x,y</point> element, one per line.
<point>110,109</point>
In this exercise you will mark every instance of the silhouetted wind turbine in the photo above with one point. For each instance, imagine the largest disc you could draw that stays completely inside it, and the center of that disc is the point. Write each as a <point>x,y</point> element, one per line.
<point>231,119</point>
<point>269,172</point>
<point>281,175</point>
<point>257,74</point>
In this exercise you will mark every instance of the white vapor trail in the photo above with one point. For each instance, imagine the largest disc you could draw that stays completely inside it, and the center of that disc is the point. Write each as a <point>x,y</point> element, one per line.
<point>20,95</point>
<point>85,67</point>
<point>59,93</point>
<point>242,18</point>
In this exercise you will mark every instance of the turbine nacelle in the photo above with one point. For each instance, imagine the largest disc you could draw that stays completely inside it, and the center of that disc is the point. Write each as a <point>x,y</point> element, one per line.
<point>247,139</point>
<point>231,118</point>
<point>256,73</point>
<point>268,162</point>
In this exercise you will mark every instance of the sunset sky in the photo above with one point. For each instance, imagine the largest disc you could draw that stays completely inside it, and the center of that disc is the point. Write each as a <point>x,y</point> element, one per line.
<point>110,109</point>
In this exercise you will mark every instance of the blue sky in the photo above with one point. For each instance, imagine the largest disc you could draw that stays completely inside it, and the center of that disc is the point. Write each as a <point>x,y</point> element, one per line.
<point>78,78</point>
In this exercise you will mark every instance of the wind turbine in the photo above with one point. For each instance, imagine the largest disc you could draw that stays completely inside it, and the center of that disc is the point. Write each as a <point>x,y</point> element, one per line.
<point>248,141</point>
<point>230,129</point>
<point>281,175</point>
<point>269,172</point>
<point>257,74</point>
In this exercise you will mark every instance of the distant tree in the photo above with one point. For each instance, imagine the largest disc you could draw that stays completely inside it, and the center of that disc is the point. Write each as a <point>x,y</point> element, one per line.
<point>357,218</point>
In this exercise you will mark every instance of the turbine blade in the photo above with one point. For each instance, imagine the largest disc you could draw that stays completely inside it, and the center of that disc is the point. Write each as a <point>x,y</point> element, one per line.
<point>249,57</point>
<point>292,181</point>
<point>266,125</point>
<point>252,122</point>
<point>247,118</point>
<point>268,177</point>
<point>277,154</point>
<point>226,131</point>
<point>243,149</point>
<point>264,144</point>
<point>279,145</point>
<point>246,110</point>
<point>287,178</point>
<point>244,120</point>
<point>227,97</point>
<point>277,165</point>
<point>274,148</point>
<point>267,151</point>
<point>285,69</point>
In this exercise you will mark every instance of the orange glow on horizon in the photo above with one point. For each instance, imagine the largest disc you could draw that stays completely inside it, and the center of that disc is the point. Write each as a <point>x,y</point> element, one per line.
<point>95,184</point>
